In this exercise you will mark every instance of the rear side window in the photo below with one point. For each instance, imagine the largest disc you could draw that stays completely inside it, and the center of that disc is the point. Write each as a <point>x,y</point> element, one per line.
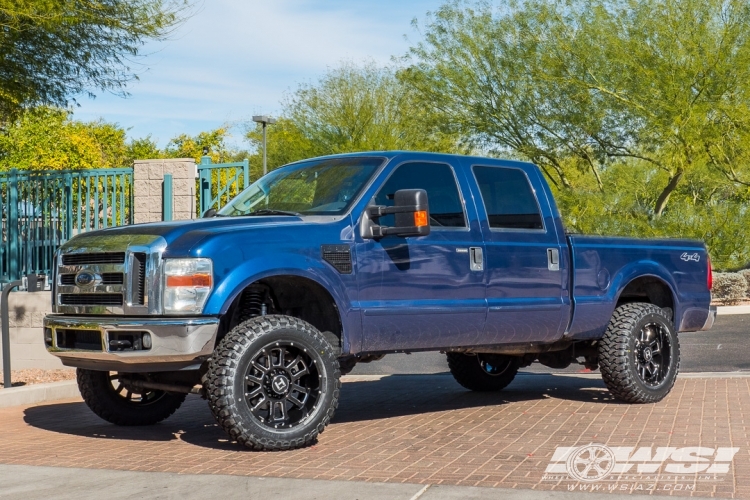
<point>446,209</point>
<point>508,198</point>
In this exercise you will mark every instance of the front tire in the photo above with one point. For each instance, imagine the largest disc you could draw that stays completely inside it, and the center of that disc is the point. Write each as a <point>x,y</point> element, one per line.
<point>639,356</point>
<point>273,383</point>
<point>483,372</point>
<point>114,401</point>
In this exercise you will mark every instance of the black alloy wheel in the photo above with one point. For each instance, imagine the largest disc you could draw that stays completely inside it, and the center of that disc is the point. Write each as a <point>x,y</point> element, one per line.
<point>653,351</point>
<point>111,397</point>
<point>483,372</point>
<point>639,355</point>
<point>282,384</point>
<point>273,383</point>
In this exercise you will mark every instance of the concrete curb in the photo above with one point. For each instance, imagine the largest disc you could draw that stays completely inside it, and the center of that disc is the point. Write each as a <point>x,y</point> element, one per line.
<point>38,393</point>
<point>727,310</point>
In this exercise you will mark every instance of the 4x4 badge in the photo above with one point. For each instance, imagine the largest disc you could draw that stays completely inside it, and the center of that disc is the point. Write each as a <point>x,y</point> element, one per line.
<point>687,257</point>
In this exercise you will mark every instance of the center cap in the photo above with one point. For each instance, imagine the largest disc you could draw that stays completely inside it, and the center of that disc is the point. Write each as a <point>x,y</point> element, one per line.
<point>647,354</point>
<point>280,384</point>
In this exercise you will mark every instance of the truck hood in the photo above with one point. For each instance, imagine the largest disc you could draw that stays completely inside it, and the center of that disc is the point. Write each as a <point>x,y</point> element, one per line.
<point>181,235</point>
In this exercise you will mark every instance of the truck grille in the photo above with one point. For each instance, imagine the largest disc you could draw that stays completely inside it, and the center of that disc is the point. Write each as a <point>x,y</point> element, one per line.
<point>91,299</point>
<point>107,279</point>
<point>79,259</point>
<point>138,278</point>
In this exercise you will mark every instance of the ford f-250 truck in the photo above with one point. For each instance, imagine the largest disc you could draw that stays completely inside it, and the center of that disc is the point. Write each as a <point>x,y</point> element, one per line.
<point>328,262</point>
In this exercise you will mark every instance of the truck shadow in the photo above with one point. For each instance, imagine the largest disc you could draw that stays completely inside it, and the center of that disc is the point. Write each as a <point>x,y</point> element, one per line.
<point>361,399</point>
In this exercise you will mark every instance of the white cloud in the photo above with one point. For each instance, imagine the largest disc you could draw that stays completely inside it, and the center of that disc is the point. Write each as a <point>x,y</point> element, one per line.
<point>235,58</point>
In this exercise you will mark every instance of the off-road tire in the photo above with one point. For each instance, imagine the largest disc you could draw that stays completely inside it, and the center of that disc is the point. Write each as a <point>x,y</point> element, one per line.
<point>226,379</point>
<point>618,353</point>
<point>468,372</point>
<point>100,395</point>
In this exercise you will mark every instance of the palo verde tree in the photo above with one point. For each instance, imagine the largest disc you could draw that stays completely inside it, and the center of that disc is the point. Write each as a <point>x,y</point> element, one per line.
<point>580,85</point>
<point>53,50</point>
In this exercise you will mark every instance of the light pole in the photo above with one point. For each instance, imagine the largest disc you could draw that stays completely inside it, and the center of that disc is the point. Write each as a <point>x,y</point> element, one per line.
<point>265,120</point>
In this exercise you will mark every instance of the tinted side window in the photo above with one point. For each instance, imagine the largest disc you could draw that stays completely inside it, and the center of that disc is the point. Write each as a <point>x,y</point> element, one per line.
<point>437,179</point>
<point>508,198</point>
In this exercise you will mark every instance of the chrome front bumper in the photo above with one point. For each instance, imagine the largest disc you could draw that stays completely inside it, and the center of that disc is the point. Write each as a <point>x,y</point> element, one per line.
<point>176,343</point>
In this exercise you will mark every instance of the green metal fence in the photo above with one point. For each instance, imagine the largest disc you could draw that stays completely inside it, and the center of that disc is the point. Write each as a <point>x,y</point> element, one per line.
<point>220,182</point>
<point>43,209</point>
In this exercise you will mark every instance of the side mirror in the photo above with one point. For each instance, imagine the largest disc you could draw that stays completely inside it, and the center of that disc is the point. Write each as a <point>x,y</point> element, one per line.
<point>211,212</point>
<point>411,211</point>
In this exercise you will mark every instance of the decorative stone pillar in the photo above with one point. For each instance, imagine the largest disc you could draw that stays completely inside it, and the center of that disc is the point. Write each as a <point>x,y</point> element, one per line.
<point>148,177</point>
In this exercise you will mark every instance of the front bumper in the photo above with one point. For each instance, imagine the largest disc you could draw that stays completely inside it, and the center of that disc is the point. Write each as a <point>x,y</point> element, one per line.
<point>176,343</point>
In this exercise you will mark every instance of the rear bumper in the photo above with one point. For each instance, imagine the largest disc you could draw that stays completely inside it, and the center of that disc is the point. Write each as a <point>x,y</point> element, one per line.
<point>176,343</point>
<point>710,320</point>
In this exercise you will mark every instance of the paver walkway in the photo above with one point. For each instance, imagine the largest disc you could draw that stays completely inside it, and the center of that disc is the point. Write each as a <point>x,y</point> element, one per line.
<point>423,429</point>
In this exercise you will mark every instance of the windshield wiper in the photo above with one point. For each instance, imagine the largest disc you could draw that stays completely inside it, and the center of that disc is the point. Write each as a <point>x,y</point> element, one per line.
<point>269,211</point>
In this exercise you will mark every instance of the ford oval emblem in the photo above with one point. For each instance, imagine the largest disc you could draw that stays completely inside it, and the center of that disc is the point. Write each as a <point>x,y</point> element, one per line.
<point>85,278</point>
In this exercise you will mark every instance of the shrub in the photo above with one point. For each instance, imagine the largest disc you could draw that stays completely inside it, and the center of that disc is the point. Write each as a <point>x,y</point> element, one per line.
<point>746,274</point>
<point>730,287</point>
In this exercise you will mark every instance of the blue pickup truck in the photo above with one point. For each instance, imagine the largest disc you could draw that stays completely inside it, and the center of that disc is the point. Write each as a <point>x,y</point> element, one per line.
<point>328,262</point>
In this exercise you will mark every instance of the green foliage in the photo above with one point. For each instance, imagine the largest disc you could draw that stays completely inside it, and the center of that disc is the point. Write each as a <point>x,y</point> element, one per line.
<point>351,108</point>
<point>51,50</point>
<point>186,146</point>
<point>143,149</point>
<point>49,139</point>
<point>638,112</point>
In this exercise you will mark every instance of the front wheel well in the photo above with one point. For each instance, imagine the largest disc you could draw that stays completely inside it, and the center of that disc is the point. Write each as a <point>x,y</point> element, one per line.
<point>648,289</point>
<point>294,296</point>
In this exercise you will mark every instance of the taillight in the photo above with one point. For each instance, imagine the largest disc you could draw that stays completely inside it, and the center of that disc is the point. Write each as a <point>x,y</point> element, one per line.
<point>710,279</point>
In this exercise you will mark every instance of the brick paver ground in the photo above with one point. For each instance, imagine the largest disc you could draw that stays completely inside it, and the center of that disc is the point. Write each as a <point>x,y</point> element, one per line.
<point>418,429</point>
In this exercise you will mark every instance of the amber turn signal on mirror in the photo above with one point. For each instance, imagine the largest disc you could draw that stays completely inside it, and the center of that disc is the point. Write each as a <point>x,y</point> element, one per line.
<point>420,218</point>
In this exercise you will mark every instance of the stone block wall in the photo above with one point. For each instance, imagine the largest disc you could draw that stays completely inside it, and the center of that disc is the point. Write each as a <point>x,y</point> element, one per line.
<point>26,312</point>
<point>148,178</point>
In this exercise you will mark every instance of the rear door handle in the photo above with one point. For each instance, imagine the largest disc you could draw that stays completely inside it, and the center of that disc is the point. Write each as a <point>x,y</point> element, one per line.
<point>553,259</point>
<point>476,262</point>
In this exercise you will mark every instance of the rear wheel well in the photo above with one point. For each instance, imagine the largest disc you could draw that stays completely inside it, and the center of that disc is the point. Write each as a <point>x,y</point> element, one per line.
<point>293,296</point>
<point>648,289</point>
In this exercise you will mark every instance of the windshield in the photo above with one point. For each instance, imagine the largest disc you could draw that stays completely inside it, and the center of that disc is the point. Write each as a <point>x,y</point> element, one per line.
<point>323,187</point>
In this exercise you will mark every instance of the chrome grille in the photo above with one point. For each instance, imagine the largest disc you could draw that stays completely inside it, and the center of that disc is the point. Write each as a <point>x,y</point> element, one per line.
<point>79,259</point>
<point>126,273</point>
<point>91,299</point>
<point>107,279</point>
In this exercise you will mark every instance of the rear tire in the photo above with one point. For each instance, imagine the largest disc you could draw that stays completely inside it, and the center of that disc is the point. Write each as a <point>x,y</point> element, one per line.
<point>273,383</point>
<point>639,356</point>
<point>114,402</point>
<point>483,372</point>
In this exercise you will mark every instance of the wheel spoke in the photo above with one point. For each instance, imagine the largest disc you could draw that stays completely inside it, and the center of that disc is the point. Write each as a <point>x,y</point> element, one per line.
<point>260,402</point>
<point>294,399</point>
<point>277,411</point>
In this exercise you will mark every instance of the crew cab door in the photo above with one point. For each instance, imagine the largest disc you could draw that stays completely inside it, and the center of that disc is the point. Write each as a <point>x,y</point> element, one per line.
<point>526,257</point>
<point>423,292</point>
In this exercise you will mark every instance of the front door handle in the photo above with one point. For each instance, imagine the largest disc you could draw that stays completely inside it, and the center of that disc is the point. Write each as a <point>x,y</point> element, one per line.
<point>476,259</point>
<point>553,259</point>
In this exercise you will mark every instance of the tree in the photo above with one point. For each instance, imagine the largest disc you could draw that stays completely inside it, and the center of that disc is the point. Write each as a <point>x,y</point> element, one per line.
<point>579,85</point>
<point>53,50</point>
<point>351,108</point>
<point>49,139</point>
<point>187,146</point>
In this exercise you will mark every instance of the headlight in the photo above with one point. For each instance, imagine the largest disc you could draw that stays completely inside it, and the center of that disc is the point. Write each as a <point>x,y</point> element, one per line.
<point>187,283</point>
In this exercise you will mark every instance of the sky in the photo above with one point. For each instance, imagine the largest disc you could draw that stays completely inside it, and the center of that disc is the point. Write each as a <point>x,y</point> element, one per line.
<point>237,58</point>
